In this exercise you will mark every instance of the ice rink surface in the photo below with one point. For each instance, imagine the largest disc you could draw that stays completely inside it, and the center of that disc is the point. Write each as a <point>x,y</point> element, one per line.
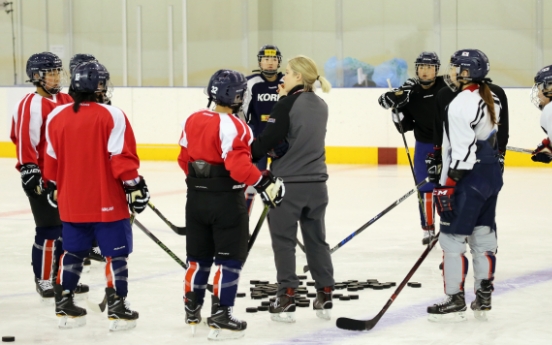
<point>522,301</point>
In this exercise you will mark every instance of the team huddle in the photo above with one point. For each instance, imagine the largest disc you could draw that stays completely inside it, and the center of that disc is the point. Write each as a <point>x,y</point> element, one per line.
<point>76,154</point>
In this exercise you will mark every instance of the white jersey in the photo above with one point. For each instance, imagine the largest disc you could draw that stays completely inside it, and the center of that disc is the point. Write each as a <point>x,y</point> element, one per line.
<point>468,121</point>
<point>546,119</point>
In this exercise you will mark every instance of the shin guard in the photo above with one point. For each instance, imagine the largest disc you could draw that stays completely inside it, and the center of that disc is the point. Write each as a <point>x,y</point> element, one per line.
<point>43,252</point>
<point>196,277</point>
<point>116,274</point>
<point>225,283</point>
<point>70,269</point>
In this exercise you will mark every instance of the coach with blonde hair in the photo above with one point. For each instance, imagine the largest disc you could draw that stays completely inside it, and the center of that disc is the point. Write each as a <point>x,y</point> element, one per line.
<point>294,137</point>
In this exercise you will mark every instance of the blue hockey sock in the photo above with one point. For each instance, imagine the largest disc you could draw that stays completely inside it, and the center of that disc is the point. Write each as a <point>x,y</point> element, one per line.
<point>43,254</point>
<point>70,269</point>
<point>116,273</point>
<point>225,283</point>
<point>196,277</point>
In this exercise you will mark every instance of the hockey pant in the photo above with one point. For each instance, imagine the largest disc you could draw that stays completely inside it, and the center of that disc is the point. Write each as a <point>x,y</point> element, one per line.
<point>225,282</point>
<point>483,246</point>
<point>427,214</point>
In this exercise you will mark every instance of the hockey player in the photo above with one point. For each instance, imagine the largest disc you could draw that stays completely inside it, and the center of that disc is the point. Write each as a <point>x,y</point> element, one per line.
<point>541,94</point>
<point>414,106</point>
<point>45,71</point>
<point>261,95</point>
<point>91,160</point>
<point>216,157</point>
<point>470,182</point>
<point>296,144</point>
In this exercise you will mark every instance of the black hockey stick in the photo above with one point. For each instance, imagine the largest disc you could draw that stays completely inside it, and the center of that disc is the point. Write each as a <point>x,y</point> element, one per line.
<point>366,325</point>
<point>181,230</point>
<point>518,149</point>
<point>373,220</point>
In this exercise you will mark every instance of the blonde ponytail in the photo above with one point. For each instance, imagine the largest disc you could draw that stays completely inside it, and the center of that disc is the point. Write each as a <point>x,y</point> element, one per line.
<point>307,68</point>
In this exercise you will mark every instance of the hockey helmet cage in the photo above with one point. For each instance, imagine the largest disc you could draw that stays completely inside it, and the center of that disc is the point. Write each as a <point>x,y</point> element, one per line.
<point>543,82</point>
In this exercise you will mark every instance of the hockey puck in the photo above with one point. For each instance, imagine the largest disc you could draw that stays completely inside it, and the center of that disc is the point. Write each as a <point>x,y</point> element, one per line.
<point>415,285</point>
<point>263,282</point>
<point>441,266</point>
<point>353,296</point>
<point>256,296</point>
<point>8,339</point>
<point>337,295</point>
<point>301,277</point>
<point>241,294</point>
<point>272,299</point>
<point>303,304</point>
<point>253,282</point>
<point>251,309</point>
<point>352,288</point>
<point>377,286</point>
<point>265,303</point>
<point>310,283</point>
<point>262,308</point>
<point>311,295</point>
<point>352,281</point>
<point>392,283</point>
<point>344,298</point>
<point>386,285</point>
<point>271,293</point>
<point>372,281</point>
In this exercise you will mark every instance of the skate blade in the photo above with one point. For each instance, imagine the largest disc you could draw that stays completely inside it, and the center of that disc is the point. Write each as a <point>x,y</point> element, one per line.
<point>448,318</point>
<point>223,334</point>
<point>121,325</point>
<point>324,314</point>
<point>288,317</point>
<point>67,322</point>
<point>480,315</point>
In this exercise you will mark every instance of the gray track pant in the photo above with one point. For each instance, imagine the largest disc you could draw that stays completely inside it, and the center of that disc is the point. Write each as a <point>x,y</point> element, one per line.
<point>304,203</point>
<point>483,247</point>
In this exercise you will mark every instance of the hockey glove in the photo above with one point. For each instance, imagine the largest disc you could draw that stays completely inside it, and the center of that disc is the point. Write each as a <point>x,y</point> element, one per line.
<point>501,156</point>
<point>280,150</point>
<point>444,201</point>
<point>137,194</point>
<point>434,164</point>
<point>271,189</point>
<point>51,195</point>
<point>395,98</point>
<point>410,83</point>
<point>31,180</point>
<point>543,152</point>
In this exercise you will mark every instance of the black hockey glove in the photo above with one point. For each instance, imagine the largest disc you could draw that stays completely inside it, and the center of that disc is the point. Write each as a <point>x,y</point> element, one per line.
<point>271,189</point>
<point>280,150</point>
<point>395,98</point>
<point>543,152</point>
<point>31,180</point>
<point>137,194</point>
<point>410,83</point>
<point>501,156</point>
<point>51,195</point>
<point>434,164</point>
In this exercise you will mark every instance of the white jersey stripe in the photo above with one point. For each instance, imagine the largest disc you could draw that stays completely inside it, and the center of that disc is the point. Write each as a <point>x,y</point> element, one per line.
<point>49,148</point>
<point>116,140</point>
<point>228,132</point>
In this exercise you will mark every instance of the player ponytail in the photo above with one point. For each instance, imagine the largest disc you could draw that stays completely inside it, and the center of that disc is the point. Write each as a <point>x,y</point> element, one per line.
<point>486,95</point>
<point>308,70</point>
<point>79,97</point>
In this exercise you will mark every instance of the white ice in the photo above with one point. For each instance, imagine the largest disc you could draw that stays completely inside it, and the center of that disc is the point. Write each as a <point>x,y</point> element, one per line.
<point>385,251</point>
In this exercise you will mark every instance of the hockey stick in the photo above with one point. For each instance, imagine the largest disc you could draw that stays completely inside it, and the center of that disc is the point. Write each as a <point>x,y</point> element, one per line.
<point>396,113</point>
<point>518,149</point>
<point>373,220</point>
<point>366,325</point>
<point>178,229</point>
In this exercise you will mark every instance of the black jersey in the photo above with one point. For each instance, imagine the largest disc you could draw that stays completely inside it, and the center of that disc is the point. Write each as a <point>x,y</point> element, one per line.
<point>446,95</point>
<point>259,100</point>
<point>420,111</point>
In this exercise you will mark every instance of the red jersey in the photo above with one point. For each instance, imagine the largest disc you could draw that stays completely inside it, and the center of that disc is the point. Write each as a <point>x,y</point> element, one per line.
<point>219,138</point>
<point>89,153</point>
<point>28,123</point>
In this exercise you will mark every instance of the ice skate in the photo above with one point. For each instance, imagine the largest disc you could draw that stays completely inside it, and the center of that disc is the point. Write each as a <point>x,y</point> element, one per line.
<point>96,255</point>
<point>69,314</point>
<point>283,308</point>
<point>452,309</point>
<point>224,325</point>
<point>45,289</point>
<point>120,315</point>
<point>193,310</point>
<point>482,302</point>
<point>323,303</point>
<point>428,236</point>
<point>81,292</point>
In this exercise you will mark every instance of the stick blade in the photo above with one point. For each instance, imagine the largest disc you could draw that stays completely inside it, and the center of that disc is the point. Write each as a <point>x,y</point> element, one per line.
<point>352,324</point>
<point>180,230</point>
<point>97,308</point>
<point>305,268</point>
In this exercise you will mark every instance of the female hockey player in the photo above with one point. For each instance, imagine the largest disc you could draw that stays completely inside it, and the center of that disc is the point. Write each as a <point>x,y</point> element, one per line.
<point>216,157</point>
<point>541,94</point>
<point>91,159</point>
<point>415,107</point>
<point>45,71</point>
<point>296,143</point>
<point>470,182</point>
<point>261,95</point>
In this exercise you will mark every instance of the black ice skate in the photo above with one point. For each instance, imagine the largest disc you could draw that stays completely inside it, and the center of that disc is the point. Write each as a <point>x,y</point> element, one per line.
<point>224,325</point>
<point>44,288</point>
<point>71,315</point>
<point>193,310</point>
<point>482,302</point>
<point>119,313</point>
<point>96,255</point>
<point>283,308</point>
<point>323,303</point>
<point>452,309</point>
